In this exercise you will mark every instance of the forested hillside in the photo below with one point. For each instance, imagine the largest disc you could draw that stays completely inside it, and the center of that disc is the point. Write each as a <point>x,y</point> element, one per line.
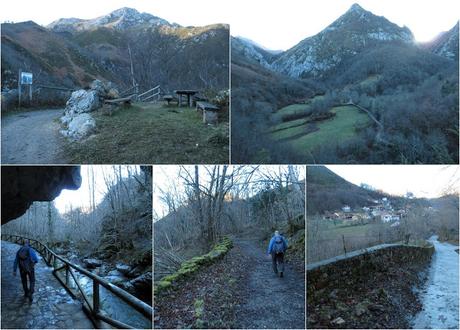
<point>123,47</point>
<point>360,91</point>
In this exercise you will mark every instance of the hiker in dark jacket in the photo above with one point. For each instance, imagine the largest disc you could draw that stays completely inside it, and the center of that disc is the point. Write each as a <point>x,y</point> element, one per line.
<point>26,258</point>
<point>277,247</point>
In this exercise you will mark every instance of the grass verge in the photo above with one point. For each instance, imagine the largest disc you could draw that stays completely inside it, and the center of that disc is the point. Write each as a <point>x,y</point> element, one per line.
<point>152,134</point>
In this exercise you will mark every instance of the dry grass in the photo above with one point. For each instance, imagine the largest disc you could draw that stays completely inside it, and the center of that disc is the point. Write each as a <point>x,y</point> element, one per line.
<point>152,134</point>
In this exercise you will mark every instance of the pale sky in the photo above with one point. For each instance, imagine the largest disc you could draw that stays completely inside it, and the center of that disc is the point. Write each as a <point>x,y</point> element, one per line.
<point>428,181</point>
<point>271,23</point>
<point>81,197</point>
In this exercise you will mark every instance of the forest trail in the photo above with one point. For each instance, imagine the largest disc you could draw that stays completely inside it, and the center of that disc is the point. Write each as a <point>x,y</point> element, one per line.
<point>52,306</point>
<point>31,137</point>
<point>269,302</point>
<point>440,296</point>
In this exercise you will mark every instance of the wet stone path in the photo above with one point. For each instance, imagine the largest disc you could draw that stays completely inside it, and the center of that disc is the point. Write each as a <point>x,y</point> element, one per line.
<point>440,296</point>
<point>52,306</point>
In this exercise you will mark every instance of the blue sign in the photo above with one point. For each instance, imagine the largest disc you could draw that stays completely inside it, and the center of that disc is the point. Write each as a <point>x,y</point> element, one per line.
<point>26,78</point>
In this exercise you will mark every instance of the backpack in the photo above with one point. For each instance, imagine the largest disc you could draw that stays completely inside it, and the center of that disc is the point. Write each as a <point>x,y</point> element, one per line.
<point>25,263</point>
<point>278,247</point>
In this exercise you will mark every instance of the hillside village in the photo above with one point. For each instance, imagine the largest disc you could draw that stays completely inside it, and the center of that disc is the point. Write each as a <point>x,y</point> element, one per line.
<point>379,210</point>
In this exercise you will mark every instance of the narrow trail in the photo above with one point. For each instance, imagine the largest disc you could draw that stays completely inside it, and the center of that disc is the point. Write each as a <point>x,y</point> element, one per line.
<point>52,306</point>
<point>440,297</point>
<point>32,138</point>
<point>269,302</point>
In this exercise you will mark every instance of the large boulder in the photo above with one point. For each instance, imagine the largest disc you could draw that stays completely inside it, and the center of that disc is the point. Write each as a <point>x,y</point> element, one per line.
<point>80,126</point>
<point>82,101</point>
<point>123,268</point>
<point>142,282</point>
<point>91,263</point>
<point>99,87</point>
<point>77,122</point>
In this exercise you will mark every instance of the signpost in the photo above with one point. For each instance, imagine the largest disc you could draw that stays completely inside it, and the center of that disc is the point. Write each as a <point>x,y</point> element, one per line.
<point>25,78</point>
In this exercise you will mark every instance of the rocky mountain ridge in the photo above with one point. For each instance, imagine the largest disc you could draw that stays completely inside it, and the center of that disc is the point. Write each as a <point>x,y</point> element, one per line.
<point>120,19</point>
<point>446,44</point>
<point>356,31</point>
<point>73,52</point>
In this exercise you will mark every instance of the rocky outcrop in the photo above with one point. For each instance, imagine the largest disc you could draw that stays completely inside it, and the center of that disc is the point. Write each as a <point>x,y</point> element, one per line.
<point>446,44</point>
<point>22,185</point>
<point>77,120</point>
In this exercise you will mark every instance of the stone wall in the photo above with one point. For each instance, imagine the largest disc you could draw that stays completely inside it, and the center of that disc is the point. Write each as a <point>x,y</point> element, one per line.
<point>360,264</point>
<point>193,265</point>
<point>371,288</point>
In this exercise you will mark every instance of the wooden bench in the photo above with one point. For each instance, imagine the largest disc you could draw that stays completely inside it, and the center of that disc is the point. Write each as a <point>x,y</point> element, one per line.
<point>168,98</point>
<point>209,112</point>
<point>115,102</point>
<point>124,100</point>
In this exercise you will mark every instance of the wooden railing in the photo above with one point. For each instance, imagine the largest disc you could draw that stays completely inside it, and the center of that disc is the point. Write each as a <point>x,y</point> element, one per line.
<point>132,92</point>
<point>152,94</point>
<point>92,307</point>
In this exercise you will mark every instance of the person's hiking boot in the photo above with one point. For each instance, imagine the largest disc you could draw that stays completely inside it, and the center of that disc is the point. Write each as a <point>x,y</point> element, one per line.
<point>31,298</point>
<point>281,274</point>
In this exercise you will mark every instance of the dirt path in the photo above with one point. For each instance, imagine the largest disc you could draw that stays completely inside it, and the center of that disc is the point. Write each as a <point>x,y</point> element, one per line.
<point>269,302</point>
<point>52,306</point>
<point>32,138</point>
<point>440,297</point>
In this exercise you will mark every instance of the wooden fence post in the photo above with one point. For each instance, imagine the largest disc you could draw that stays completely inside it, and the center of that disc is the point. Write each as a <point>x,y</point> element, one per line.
<point>67,274</point>
<point>343,241</point>
<point>95,297</point>
<point>19,88</point>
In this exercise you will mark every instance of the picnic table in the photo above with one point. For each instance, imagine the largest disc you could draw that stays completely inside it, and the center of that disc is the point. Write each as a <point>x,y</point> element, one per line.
<point>187,92</point>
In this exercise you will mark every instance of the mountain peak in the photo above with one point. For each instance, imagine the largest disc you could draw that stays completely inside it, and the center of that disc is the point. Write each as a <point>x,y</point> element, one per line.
<point>356,7</point>
<point>124,11</point>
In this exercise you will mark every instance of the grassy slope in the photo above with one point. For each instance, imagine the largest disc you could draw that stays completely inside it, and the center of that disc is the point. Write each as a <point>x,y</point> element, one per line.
<point>335,130</point>
<point>152,133</point>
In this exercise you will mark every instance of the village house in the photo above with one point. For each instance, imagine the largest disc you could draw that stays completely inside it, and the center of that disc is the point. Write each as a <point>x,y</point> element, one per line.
<point>346,209</point>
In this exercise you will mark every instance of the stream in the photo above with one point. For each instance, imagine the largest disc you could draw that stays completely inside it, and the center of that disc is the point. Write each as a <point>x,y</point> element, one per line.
<point>110,304</point>
<point>440,295</point>
<point>114,306</point>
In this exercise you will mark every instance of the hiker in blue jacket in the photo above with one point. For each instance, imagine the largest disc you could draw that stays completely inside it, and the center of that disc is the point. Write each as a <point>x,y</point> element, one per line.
<point>277,247</point>
<point>26,258</point>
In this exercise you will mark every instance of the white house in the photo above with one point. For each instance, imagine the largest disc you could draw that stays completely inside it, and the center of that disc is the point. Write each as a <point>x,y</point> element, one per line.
<point>386,217</point>
<point>346,209</point>
<point>376,213</point>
